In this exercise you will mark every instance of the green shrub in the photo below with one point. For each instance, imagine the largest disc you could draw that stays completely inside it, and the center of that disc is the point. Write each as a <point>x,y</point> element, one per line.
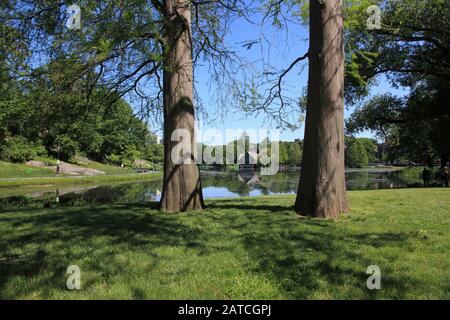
<point>127,157</point>
<point>68,147</point>
<point>18,149</point>
<point>356,155</point>
<point>114,159</point>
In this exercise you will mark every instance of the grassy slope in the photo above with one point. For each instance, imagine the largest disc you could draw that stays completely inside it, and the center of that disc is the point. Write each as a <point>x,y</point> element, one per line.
<point>60,181</point>
<point>254,248</point>
<point>108,169</point>
<point>20,175</point>
<point>13,170</point>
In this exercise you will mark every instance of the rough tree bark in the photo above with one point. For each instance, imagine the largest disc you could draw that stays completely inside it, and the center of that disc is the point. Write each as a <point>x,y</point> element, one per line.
<point>182,186</point>
<point>322,191</point>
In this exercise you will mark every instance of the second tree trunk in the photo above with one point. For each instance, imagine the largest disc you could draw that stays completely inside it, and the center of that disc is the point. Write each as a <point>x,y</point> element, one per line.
<point>322,191</point>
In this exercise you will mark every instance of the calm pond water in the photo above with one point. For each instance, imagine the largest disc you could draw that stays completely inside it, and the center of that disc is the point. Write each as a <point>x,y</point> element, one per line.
<point>216,184</point>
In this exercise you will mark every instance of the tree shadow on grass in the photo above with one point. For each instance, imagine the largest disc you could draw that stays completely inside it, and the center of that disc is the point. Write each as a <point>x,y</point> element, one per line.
<point>242,207</point>
<point>46,242</point>
<point>306,263</point>
<point>249,204</point>
<point>310,258</point>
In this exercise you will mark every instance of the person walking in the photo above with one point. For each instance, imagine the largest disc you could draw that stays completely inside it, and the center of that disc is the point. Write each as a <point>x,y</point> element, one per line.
<point>444,177</point>
<point>426,177</point>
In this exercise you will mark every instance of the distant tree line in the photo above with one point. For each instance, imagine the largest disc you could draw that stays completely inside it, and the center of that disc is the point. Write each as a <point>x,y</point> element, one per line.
<point>359,152</point>
<point>290,153</point>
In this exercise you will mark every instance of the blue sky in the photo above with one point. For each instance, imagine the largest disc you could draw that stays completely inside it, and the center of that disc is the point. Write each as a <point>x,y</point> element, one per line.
<point>286,46</point>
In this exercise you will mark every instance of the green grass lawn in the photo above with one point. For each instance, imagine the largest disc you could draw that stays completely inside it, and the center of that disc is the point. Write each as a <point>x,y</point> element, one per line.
<point>252,248</point>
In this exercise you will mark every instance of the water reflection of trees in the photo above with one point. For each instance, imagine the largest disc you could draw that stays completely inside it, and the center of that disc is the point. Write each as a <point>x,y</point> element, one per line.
<point>370,180</point>
<point>121,193</point>
<point>228,180</point>
<point>133,192</point>
<point>243,183</point>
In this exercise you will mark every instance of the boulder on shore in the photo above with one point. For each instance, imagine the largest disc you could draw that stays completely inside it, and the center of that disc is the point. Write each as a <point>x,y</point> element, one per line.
<point>67,168</point>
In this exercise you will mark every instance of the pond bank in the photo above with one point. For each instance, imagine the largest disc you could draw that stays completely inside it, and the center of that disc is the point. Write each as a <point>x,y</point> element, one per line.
<point>76,180</point>
<point>216,184</point>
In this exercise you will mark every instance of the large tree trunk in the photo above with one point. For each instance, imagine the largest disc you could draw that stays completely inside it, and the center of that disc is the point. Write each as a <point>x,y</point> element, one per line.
<point>322,191</point>
<point>181,187</point>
